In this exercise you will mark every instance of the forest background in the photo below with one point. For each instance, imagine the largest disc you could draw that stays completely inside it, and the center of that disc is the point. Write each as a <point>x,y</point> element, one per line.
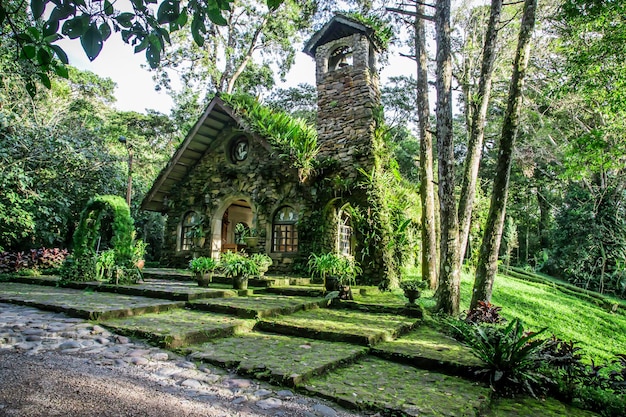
<point>565,189</point>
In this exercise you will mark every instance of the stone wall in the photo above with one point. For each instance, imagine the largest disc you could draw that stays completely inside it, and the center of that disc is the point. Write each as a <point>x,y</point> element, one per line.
<point>264,180</point>
<point>347,100</point>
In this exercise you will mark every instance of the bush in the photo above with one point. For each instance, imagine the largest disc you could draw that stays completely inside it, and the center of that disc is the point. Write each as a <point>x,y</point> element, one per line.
<point>37,259</point>
<point>484,313</point>
<point>510,354</point>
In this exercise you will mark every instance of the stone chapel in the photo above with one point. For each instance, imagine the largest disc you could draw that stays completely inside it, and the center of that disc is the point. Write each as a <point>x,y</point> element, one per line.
<point>224,181</point>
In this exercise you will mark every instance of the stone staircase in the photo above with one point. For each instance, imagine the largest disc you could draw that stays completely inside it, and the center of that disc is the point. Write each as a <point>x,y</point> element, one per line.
<point>283,331</point>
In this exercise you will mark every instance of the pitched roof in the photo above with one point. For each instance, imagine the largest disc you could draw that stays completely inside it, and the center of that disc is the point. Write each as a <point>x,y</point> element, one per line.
<point>338,27</point>
<point>200,139</point>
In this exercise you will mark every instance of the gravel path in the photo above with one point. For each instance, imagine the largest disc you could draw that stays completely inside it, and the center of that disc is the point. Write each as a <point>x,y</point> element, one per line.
<point>53,365</point>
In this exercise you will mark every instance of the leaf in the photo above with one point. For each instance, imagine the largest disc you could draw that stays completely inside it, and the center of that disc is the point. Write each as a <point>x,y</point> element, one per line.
<point>168,11</point>
<point>142,45</point>
<point>108,8</point>
<point>44,57</point>
<point>45,80</point>
<point>138,4</point>
<point>51,27</point>
<point>197,26</point>
<point>105,30</point>
<point>76,27</point>
<point>215,15</point>
<point>61,71</point>
<point>60,53</point>
<point>37,7</point>
<point>92,42</point>
<point>274,4</point>
<point>125,19</point>
<point>153,55</point>
<point>29,51</point>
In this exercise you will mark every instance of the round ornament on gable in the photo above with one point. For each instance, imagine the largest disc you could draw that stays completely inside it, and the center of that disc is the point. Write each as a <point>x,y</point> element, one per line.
<point>239,148</point>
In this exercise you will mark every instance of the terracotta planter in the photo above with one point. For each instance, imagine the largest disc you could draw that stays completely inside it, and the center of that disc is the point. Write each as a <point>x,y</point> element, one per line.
<point>240,282</point>
<point>204,278</point>
<point>140,263</point>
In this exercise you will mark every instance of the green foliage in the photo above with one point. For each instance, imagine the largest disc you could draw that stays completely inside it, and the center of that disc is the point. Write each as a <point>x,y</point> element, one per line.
<point>511,355</point>
<point>328,264</point>
<point>203,264</point>
<point>413,285</point>
<point>383,33</point>
<point>295,138</point>
<point>262,261</point>
<point>42,259</point>
<point>238,264</point>
<point>94,21</point>
<point>590,239</point>
<point>86,237</point>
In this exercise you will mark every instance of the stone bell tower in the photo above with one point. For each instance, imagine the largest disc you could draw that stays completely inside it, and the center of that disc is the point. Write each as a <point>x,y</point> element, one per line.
<point>347,90</point>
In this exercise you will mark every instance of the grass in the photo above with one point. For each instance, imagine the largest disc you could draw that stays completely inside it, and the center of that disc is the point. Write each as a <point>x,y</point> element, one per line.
<point>599,332</point>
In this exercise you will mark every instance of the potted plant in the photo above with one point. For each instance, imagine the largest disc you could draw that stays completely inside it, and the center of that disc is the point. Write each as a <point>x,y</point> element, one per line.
<point>262,261</point>
<point>238,266</point>
<point>335,270</point>
<point>412,289</point>
<point>203,267</point>
<point>251,238</point>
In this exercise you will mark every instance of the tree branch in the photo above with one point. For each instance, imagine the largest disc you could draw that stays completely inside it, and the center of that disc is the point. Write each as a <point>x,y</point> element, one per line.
<point>409,13</point>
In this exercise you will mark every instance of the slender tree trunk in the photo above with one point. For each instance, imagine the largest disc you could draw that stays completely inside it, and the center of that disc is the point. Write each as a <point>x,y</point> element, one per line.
<point>427,189</point>
<point>449,272</point>
<point>477,127</point>
<point>488,258</point>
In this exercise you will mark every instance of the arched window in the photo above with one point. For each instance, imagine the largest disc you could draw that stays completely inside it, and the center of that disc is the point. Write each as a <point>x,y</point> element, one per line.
<point>189,229</point>
<point>344,234</point>
<point>284,232</point>
<point>339,58</point>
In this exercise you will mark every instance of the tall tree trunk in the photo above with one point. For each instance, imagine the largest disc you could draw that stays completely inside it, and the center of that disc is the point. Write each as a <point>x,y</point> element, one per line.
<point>427,189</point>
<point>488,258</point>
<point>449,271</point>
<point>477,127</point>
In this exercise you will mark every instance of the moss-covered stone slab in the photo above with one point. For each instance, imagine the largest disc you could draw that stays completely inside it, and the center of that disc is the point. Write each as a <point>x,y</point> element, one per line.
<point>427,348</point>
<point>168,273</point>
<point>82,303</point>
<point>297,291</point>
<point>280,359</point>
<point>348,326</point>
<point>167,289</point>
<point>376,384</point>
<point>526,406</point>
<point>259,306</point>
<point>177,328</point>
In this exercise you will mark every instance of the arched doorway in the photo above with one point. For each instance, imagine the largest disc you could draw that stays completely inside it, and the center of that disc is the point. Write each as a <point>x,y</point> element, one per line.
<point>234,216</point>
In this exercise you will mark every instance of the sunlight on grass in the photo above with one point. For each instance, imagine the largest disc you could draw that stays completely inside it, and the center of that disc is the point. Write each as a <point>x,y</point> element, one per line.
<point>599,332</point>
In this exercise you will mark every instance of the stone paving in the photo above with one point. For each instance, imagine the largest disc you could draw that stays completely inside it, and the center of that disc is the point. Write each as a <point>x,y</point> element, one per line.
<point>32,332</point>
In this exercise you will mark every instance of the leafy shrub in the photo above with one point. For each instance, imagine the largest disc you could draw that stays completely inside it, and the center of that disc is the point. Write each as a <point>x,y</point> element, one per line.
<point>484,312</point>
<point>510,354</point>
<point>37,259</point>
<point>203,264</point>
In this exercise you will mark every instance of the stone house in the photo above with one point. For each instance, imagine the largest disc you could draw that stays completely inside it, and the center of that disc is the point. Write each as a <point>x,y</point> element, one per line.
<point>232,179</point>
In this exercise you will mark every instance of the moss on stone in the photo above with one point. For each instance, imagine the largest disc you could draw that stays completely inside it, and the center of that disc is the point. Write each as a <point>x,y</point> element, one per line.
<point>180,327</point>
<point>380,385</point>
<point>258,306</point>
<point>280,359</point>
<point>526,406</point>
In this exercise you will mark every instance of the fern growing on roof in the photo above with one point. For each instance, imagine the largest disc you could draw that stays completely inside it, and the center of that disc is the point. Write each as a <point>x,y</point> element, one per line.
<point>293,137</point>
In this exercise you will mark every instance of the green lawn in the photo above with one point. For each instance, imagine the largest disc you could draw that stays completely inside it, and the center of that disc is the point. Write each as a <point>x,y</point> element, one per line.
<point>601,334</point>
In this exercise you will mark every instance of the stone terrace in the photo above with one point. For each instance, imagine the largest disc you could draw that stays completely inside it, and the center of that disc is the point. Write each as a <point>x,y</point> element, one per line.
<point>361,356</point>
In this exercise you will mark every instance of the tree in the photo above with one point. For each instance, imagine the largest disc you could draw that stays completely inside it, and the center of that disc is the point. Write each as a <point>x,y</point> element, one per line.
<point>488,258</point>
<point>477,114</point>
<point>245,48</point>
<point>93,21</point>
<point>448,290</point>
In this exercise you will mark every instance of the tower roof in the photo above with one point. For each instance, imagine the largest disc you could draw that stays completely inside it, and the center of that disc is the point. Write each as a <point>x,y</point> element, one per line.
<point>338,27</point>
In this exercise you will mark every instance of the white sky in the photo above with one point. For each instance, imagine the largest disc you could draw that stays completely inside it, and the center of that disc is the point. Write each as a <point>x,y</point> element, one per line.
<point>135,88</point>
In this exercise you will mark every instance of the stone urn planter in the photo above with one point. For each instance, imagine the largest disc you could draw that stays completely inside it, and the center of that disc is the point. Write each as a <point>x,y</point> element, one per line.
<point>251,241</point>
<point>240,282</point>
<point>412,289</point>
<point>204,278</point>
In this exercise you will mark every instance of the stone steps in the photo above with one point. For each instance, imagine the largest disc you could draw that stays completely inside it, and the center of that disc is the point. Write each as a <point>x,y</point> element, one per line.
<point>85,304</point>
<point>259,306</point>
